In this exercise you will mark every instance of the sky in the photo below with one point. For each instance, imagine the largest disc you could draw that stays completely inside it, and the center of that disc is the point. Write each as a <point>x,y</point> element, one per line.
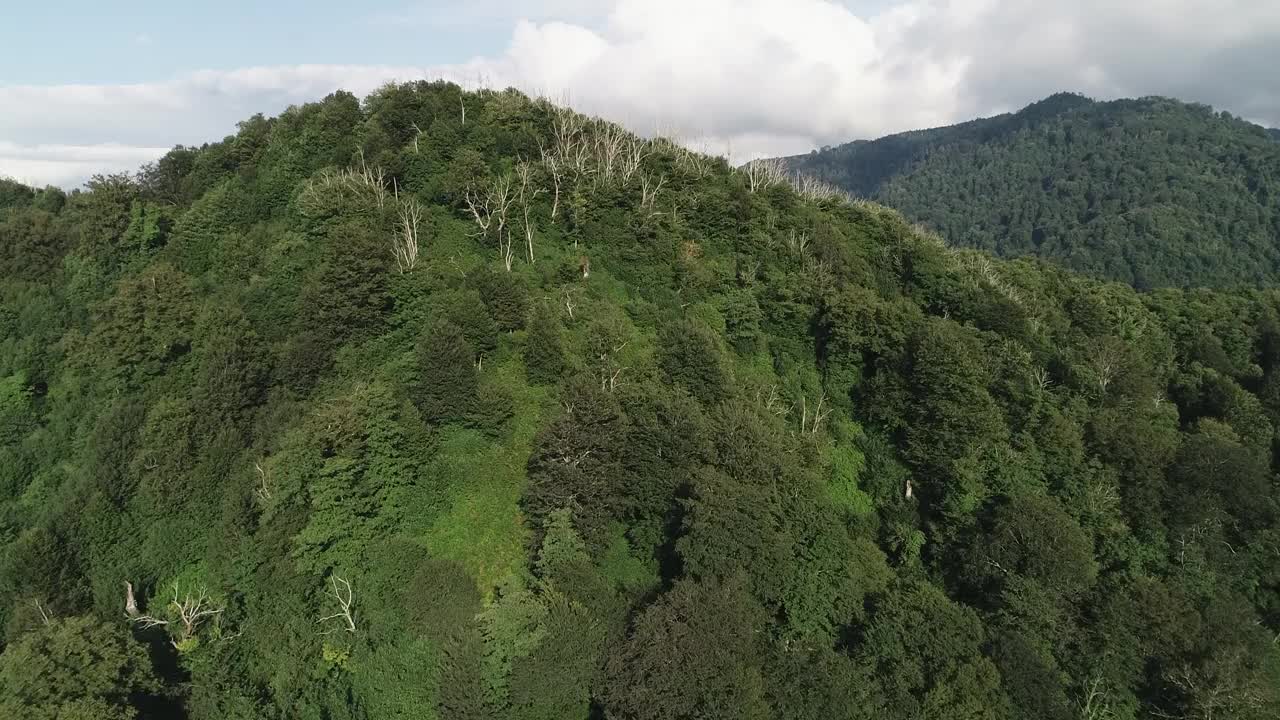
<point>88,86</point>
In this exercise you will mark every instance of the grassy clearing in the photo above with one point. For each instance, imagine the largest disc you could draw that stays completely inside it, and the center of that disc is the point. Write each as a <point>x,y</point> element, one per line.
<point>483,528</point>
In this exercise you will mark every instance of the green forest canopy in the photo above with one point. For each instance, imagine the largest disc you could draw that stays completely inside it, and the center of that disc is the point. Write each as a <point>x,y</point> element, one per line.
<point>380,410</point>
<point>1151,192</point>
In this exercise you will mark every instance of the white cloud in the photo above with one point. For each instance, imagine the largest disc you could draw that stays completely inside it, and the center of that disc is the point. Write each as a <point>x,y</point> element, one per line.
<point>486,13</point>
<point>69,165</point>
<point>793,74</point>
<point>761,76</point>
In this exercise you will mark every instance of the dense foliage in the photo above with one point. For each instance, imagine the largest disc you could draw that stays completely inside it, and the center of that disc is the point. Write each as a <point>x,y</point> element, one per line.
<point>623,439</point>
<point>1150,192</point>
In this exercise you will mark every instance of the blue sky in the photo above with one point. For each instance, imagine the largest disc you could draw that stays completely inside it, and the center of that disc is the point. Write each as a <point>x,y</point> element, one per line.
<point>104,86</point>
<point>83,41</point>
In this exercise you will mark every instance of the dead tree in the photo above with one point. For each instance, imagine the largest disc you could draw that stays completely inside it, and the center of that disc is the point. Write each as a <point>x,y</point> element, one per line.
<point>417,133</point>
<point>649,189</point>
<point>814,190</point>
<point>610,369</point>
<point>811,423</point>
<point>130,603</point>
<point>363,184</point>
<point>343,597</point>
<point>764,173</point>
<point>404,243</point>
<point>489,209</point>
<point>773,401</point>
<point>634,151</point>
<point>263,491</point>
<point>1096,701</point>
<point>584,266</point>
<point>570,303</point>
<point>374,179</point>
<point>610,143</point>
<point>526,194</point>
<point>570,147</point>
<point>189,613</point>
<point>555,168</point>
<point>798,243</point>
<point>44,615</point>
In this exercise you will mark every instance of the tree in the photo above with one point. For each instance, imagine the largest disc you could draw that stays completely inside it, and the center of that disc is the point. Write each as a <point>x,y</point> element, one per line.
<point>689,355</point>
<point>692,655</point>
<point>926,651</point>
<point>346,295</point>
<point>447,381</point>
<point>544,357</point>
<point>75,667</point>
<point>504,296</point>
<point>576,461</point>
<point>1033,537</point>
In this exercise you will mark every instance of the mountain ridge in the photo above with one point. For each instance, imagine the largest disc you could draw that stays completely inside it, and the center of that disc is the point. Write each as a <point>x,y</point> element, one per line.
<point>1150,191</point>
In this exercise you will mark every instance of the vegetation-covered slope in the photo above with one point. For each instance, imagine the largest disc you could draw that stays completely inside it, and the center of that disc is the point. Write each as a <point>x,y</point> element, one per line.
<point>624,438</point>
<point>1150,192</point>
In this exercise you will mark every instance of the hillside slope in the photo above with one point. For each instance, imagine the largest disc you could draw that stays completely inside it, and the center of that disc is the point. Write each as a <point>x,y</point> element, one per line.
<point>376,410</point>
<point>1150,192</point>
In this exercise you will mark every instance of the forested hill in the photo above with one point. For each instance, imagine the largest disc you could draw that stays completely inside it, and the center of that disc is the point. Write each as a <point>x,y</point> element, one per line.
<point>455,405</point>
<point>1150,192</point>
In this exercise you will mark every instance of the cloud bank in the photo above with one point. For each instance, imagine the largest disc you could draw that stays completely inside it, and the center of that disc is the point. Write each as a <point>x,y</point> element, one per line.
<point>751,77</point>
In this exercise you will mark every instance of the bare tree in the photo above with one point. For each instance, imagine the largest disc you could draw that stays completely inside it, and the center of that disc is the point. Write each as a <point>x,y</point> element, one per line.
<point>263,491</point>
<point>363,184</point>
<point>610,368</point>
<point>814,190</point>
<point>44,615</point>
<point>1222,685</point>
<point>1096,701</point>
<point>610,141</point>
<point>372,178</point>
<point>811,423</point>
<point>773,401</point>
<point>404,243</point>
<point>526,194</point>
<point>342,595</point>
<point>190,612</point>
<point>489,209</point>
<point>130,603</point>
<point>570,302</point>
<point>764,173</point>
<point>1040,377</point>
<point>798,243</point>
<point>634,151</point>
<point>570,147</point>
<point>555,168</point>
<point>649,189</point>
<point>417,133</point>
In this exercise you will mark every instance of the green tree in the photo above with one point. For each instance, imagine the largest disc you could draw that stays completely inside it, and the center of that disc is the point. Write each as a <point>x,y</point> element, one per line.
<point>689,355</point>
<point>693,654</point>
<point>926,651</point>
<point>75,668</point>
<point>544,356</point>
<point>447,382</point>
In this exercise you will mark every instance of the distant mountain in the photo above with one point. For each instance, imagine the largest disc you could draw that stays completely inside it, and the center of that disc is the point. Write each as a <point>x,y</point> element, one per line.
<point>1274,133</point>
<point>1153,192</point>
